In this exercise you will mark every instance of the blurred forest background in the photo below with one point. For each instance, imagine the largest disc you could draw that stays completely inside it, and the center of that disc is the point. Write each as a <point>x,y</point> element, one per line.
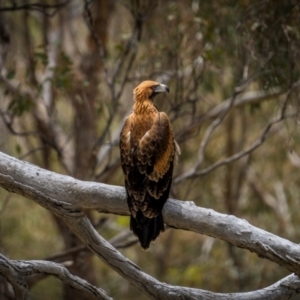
<point>67,73</point>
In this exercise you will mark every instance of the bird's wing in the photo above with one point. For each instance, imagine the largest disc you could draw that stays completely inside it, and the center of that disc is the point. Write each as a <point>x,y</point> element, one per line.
<point>156,153</point>
<point>148,164</point>
<point>156,147</point>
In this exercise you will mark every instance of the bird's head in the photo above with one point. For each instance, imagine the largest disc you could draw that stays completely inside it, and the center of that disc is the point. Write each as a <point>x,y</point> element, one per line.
<point>148,90</point>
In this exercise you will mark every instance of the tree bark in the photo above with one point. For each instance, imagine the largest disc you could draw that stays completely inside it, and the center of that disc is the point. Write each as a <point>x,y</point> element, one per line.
<point>67,197</point>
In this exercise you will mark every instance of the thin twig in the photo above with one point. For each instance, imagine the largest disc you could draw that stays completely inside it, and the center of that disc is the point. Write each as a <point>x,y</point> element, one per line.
<point>192,173</point>
<point>207,136</point>
<point>42,8</point>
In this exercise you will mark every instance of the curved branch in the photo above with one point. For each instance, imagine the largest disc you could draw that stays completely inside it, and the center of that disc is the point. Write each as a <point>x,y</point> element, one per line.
<point>249,97</point>
<point>25,268</point>
<point>193,172</point>
<point>65,197</point>
<point>18,282</point>
<point>16,271</point>
<point>58,192</point>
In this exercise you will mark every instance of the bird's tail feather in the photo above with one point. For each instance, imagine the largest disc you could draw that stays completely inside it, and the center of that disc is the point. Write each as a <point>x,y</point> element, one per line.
<point>146,229</point>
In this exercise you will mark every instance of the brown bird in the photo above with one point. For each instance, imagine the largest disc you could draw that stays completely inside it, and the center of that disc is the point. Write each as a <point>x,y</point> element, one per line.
<point>148,152</point>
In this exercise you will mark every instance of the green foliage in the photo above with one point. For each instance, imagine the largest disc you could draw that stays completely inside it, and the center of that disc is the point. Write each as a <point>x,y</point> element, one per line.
<point>41,56</point>
<point>20,104</point>
<point>271,30</point>
<point>11,74</point>
<point>202,50</point>
<point>18,149</point>
<point>63,77</point>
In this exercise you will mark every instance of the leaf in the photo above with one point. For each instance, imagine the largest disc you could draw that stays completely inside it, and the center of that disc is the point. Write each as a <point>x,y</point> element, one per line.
<point>42,57</point>
<point>20,104</point>
<point>18,149</point>
<point>11,74</point>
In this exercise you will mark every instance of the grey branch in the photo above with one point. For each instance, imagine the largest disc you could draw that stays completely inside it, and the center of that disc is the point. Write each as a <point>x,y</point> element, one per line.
<point>16,272</point>
<point>66,197</point>
<point>193,172</point>
<point>249,97</point>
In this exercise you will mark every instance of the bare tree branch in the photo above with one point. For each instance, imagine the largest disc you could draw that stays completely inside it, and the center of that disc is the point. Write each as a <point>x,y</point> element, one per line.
<point>65,197</point>
<point>52,134</point>
<point>16,271</point>
<point>210,130</point>
<point>110,54</point>
<point>193,172</point>
<point>122,240</point>
<point>42,8</point>
<point>18,282</point>
<point>250,97</point>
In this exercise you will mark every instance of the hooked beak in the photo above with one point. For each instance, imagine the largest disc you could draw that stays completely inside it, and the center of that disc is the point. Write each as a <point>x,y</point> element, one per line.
<point>161,88</point>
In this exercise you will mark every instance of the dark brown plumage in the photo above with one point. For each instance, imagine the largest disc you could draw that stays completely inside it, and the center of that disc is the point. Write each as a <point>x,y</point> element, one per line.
<point>148,151</point>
